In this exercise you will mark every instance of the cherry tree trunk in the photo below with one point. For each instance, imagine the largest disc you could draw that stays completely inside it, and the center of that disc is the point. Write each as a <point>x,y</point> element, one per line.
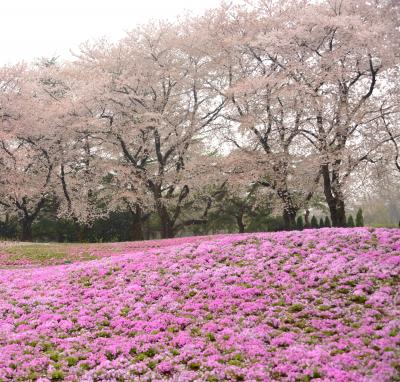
<point>337,211</point>
<point>240,223</point>
<point>289,218</point>
<point>26,229</point>
<point>334,197</point>
<point>137,227</point>
<point>167,226</point>
<point>289,209</point>
<point>167,230</point>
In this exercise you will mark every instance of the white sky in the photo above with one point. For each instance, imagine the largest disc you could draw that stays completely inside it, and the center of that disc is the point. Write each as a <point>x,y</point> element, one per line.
<point>31,29</point>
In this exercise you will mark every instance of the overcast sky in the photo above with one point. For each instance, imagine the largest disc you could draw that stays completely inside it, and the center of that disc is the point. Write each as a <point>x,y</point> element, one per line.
<point>31,29</point>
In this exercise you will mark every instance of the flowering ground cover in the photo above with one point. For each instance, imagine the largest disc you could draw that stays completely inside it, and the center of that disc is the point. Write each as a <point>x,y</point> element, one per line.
<point>20,254</point>
<point>318,305</point>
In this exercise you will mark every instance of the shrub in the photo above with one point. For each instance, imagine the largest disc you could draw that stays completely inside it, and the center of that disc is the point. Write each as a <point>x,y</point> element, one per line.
<point>314,222</point>
<point>327,222</point>
<point>300,222</point>
<point>359,218</point>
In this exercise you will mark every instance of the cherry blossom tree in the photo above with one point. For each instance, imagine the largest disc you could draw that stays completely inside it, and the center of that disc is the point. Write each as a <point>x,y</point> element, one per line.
<point>27,146</point>
<point>309,78</point>
<point>265,109</point>
<point>155,104</point>
<point>344,56</point>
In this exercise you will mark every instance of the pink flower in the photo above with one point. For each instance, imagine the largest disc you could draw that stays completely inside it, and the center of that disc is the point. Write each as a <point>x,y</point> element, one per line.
<point>165,367</point>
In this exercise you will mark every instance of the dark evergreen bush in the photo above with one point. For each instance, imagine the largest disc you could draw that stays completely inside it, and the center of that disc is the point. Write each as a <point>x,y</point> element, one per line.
<point>327,222</point>
<point>300,222</point>
<point>314,222</point>
<point>359,218</point>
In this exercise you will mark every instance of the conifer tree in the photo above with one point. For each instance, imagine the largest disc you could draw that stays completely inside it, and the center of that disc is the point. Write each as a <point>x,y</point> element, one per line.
<point>314,222</point>
<point>299,222</point>
<point>359,218</point>
<point>327,222</point>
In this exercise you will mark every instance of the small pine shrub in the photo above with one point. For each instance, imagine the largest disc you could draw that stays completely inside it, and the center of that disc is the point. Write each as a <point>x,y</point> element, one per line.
<point>299,222</point>
<point>350,221</point>
<point>314,222</point>
<point>327,222</point>
<point>359,218</point>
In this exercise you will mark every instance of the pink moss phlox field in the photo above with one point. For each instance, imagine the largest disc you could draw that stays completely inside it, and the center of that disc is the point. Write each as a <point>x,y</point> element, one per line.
<point>79,252</point>
<point>318,305</point>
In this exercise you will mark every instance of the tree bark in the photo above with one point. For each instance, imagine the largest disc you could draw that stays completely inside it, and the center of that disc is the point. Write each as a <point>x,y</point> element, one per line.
<point>167,226</point>
<point>137,225</point>
<point>334,197</point>
<point>289,218</point>
<point>240,223</point>
<point>26,229</point>
<point>337,211</point>
<point>289,209</point>
<point>28,218</point>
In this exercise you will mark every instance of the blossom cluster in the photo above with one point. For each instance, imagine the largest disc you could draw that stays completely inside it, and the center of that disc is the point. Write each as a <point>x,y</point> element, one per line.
<point>290,306</point>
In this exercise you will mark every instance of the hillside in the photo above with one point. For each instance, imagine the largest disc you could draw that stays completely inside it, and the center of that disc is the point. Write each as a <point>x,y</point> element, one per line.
<point>317,305</point>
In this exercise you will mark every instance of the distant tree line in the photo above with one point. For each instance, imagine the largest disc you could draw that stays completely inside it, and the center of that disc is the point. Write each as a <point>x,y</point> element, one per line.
<point>122,226</point>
